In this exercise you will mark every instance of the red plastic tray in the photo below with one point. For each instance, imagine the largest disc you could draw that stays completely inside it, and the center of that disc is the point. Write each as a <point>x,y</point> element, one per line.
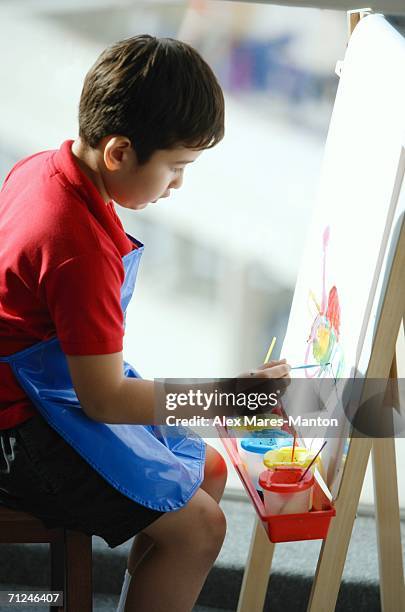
<point>311,525</point>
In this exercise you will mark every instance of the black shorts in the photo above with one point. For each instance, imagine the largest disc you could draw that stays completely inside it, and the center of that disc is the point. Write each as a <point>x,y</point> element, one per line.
<point>43,475</point>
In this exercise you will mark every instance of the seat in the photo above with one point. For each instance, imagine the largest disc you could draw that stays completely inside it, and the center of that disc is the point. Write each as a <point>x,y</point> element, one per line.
<point>70,555</point>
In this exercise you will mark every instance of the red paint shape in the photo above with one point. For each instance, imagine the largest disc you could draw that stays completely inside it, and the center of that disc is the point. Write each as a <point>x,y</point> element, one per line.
<point>333,311</point>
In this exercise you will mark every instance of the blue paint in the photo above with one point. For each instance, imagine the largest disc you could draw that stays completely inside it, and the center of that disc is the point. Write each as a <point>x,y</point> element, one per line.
<point>314,365</point>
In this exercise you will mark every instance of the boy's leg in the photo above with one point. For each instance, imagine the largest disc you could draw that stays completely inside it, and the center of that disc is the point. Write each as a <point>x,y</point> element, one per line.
<point>186,544</point>
<point>140,546</point>
<point>215,474</point>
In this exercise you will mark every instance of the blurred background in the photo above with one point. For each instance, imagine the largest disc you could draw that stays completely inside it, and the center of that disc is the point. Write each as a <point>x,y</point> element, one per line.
<point>222,254</point>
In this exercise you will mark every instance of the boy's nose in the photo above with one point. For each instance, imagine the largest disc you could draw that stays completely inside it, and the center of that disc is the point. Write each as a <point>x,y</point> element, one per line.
<point>177,183</point>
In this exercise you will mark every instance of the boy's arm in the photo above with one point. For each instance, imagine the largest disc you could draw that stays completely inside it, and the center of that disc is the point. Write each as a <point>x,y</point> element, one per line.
<point>106,395</point>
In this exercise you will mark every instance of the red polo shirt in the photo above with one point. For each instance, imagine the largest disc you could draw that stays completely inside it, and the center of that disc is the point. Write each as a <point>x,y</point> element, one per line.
<point>61,267</point>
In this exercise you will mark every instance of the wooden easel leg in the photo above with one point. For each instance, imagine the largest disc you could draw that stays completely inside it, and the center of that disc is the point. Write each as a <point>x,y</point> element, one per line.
<point>325,587</point>
<point>392,589</point>
<point>257,571</point>
<point>388,526</point>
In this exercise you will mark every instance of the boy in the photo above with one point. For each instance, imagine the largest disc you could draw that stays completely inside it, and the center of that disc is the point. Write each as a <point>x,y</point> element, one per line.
<point>148,108</point>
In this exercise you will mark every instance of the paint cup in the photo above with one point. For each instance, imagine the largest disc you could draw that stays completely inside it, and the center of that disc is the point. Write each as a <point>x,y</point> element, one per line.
<point>277,437</point>
<point>281,457</point>
<point>253,449</point>
<point>246,431</point>
<point>284,492</point>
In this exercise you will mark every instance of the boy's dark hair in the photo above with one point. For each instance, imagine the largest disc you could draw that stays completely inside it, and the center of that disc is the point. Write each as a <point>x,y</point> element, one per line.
<point>158,92</point>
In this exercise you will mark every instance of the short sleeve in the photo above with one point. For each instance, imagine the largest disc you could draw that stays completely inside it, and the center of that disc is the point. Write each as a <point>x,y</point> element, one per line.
<point>83,298</point>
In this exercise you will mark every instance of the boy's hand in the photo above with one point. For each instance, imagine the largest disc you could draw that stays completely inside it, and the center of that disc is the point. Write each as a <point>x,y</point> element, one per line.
<point>273,369</point>
<point>271,377</point>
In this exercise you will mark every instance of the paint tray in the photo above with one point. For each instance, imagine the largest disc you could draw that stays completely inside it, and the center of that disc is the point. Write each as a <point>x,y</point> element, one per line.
<point>311,525</point>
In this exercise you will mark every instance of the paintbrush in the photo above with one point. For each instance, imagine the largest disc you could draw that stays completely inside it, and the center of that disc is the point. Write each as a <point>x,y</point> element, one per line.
<point>312,365</point>
<point>293,448</point>
<point>313,460</point>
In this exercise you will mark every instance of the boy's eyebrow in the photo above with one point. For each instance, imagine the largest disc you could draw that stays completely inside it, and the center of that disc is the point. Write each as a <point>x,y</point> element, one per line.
<point>184,161</point>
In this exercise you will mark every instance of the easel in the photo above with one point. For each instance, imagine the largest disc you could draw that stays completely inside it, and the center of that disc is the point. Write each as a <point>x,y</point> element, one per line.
<point>383,364</point>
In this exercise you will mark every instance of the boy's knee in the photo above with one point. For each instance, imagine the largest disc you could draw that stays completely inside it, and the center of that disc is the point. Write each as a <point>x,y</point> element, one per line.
<point>222,468</point>
<point>206,526</point>
<point>200,527</point>
<point>210,527</point>
<point>215,465</point>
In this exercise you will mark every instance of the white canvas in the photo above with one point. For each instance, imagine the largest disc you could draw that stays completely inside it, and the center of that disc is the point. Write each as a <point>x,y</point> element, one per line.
<point>357,202</point>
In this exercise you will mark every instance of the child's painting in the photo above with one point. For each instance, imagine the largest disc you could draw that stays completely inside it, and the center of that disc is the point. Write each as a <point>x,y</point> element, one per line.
<point>324,346</point>
<point>339,280</point>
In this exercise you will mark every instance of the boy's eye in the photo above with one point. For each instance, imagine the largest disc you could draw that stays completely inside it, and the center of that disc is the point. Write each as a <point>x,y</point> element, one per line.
<point>177,170</point>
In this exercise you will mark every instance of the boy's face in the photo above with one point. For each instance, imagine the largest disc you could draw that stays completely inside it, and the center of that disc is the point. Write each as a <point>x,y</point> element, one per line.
<point>134,186</point>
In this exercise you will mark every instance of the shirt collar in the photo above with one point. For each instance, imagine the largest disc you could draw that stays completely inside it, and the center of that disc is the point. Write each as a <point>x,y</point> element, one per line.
<point>65,162</point>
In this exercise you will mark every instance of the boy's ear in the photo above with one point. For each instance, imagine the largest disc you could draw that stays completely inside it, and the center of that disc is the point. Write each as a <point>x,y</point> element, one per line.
<point>117,151</point>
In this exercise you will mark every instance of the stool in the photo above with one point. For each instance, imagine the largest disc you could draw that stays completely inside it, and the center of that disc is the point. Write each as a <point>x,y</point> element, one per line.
<point>70,553</point>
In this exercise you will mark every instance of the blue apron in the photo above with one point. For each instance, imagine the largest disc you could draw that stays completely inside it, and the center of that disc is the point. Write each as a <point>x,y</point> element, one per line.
<point>160,467</point>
